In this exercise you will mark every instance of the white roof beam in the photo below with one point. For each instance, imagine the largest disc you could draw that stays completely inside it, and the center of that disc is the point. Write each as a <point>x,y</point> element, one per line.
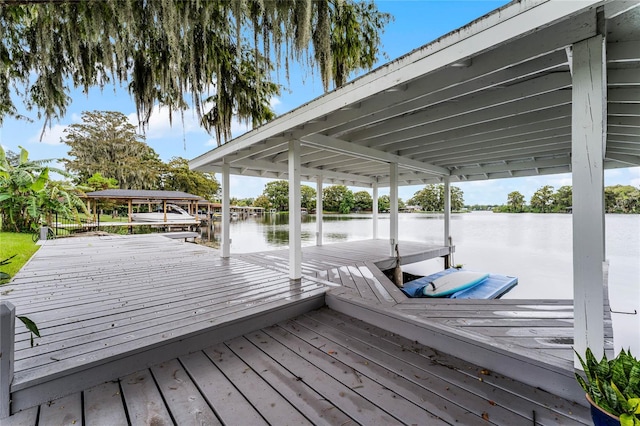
<point>337,162</point>
<point>338,145</point>
<point>514,166</point>
<point>445,86</point>
<point>482,145</point>
<point>555,150</point>
<point>478,102</point>
<point>506,125</point>
<point>533,130</point>
<point>498,149</point>
<point>482,117</point>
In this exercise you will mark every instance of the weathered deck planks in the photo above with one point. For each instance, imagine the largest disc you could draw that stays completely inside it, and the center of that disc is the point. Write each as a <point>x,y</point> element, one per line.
<point>318,368</point>
<point>155,299</point>
<point>96,300</point>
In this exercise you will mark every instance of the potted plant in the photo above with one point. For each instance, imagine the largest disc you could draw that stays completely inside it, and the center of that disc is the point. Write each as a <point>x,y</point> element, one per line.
<point>613,388</point>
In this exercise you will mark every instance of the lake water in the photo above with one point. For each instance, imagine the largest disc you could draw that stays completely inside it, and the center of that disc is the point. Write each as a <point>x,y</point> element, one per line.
<point>536,248</point>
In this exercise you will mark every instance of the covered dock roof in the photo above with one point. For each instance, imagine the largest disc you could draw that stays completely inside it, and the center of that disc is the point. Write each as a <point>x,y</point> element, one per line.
<point>490,100</point>
<point>143,195</point>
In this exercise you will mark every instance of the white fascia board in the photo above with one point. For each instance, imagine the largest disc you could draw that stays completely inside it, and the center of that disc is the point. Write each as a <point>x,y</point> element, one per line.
<point>338,145</point>
<point>511,21</point>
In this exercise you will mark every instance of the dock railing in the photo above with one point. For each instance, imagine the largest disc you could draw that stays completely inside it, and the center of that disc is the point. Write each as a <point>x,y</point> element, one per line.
<point>7,342</point>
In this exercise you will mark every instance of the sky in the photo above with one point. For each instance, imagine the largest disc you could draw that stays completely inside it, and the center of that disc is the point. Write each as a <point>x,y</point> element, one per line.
<point>416,23</point>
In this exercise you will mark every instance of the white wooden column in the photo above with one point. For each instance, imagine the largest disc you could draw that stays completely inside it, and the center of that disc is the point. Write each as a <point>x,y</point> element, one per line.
<point>225,244</point>
<point>447,217</point>
<point>447,209</point>
<point>7,339</point>
<point>588,138</point>
<point>319,210</point>
<point>295,243</point>
<point>393,215</point>
<point>374,208</point>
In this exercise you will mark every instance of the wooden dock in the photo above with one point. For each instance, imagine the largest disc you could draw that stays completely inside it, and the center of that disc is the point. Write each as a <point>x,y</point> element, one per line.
<point>110,307</point>
<point>318,368</point>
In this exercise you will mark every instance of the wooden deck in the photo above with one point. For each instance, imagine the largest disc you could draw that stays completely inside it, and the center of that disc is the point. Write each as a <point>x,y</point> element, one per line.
<point>318,368</point>
<point>109,307</point>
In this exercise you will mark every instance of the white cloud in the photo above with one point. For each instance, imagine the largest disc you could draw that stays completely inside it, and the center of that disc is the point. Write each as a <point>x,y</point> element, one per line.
<point>161,126</point>
<point>274,103</point>
<point>52,135</point>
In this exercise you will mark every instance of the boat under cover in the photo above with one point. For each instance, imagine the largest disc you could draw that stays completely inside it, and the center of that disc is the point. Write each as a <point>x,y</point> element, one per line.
<point>174,214</point>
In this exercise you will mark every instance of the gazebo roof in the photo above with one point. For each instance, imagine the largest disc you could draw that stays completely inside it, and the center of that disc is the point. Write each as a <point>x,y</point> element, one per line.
<point>489,100</point>
<point>143,195</point>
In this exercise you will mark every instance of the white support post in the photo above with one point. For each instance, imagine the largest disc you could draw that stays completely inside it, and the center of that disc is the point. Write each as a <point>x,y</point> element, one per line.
<point>447,218</point>
<point>393,218</point>
<point>226,214</point>
<point>374,209</point>
<point>319,210</point>
<point>7,342</point>
<point>588,129</point>
<point>295,221</point>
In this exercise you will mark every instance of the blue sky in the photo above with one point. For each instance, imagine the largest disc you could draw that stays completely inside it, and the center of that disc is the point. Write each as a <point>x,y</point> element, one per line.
<point>416,23</point>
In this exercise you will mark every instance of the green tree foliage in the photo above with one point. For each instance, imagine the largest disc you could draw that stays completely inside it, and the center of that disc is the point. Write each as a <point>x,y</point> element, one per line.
<point>384,203</point>
<point>262,201</point>
<point>178,177</point>
<point>362,201</point>
<point>562,199</point>
<point>618,199</point>
<point>541,199</point>
<point>431,198</point>
<point>515,201</point>
<point>97,182</point>
<point>277,192</point>
<point>622,199</point>
<point>27,195</point>
<point>164,50</point>
<point>335,198</point>
<point>307,197</point>
<point>106,143</point>
<point>346,203</point>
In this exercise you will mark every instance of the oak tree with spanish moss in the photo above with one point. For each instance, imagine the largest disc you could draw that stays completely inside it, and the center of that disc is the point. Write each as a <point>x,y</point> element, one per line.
<point>219,53</point>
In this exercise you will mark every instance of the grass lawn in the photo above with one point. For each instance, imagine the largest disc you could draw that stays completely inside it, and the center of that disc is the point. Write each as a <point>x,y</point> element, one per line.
<point>19,244</point>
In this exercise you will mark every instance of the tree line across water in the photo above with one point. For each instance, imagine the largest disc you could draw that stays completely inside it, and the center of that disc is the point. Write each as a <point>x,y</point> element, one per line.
<point>617,199</point>
<point>106,152</point>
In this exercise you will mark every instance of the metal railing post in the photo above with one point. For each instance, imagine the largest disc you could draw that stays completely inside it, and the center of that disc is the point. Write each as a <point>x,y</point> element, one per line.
<point>7,339</point>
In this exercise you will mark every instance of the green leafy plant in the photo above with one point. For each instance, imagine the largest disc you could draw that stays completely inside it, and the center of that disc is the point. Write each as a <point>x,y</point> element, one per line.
<point>613,385</point>
<point>3,275</point>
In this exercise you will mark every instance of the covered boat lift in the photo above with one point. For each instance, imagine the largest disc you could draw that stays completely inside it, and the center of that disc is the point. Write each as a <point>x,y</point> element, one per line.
<point>533,88</point>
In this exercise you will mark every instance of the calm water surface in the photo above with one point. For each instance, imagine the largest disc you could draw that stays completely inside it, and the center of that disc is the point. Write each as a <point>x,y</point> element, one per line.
<point>534,247</point>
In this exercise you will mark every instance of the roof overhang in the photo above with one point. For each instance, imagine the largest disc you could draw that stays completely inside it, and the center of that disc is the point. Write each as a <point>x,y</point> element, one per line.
<point>489,100</point>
